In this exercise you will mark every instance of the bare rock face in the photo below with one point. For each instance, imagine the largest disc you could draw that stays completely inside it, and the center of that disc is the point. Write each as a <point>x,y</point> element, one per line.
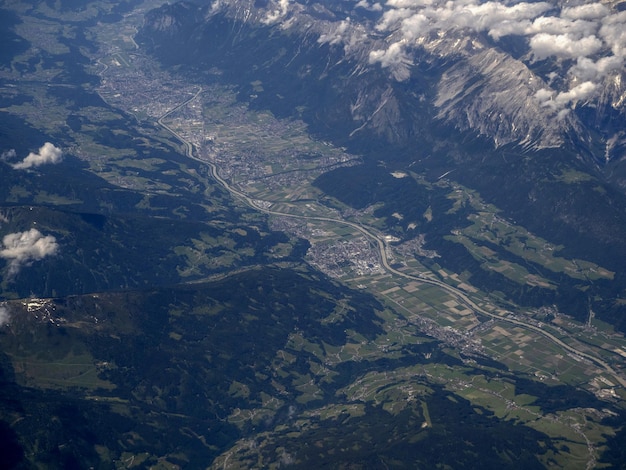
<point>493,94</point>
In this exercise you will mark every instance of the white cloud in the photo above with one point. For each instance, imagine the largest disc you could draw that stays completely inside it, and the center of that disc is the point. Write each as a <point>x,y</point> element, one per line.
<point>415,26</point>
<point>48,153</point>
<point>395,58</point>
<point>464,14</point>
<point>554,25</point>
<point>588,70</point>
<point>509,28</point>
<point>337,35</point>
<point>544,96</point>
<point>563,46</point>
<point>369,6</point>
<point>391,18</point>
<point>345,32</point>
<point>22,248</point>
<point>559,101</point>
<point>587,39</point>
<point>413,19</point>
<point>581,92</point>
<point>281,9</point>
<point>613,32</point>
<point>8,155</point>
<point>408,3</point>
<point>486,16</point>
<point>5,317</point>
<point>388,57</point>
<point>589,11</point>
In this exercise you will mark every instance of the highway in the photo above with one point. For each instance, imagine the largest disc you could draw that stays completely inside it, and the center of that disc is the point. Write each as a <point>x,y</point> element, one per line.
<point>461,296</point>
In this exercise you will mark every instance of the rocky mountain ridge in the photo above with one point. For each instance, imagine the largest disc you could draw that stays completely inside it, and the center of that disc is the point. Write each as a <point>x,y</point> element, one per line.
<point>500,88</point>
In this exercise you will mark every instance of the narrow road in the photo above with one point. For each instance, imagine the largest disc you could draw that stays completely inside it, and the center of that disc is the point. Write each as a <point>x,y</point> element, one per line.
<point>461,296</point>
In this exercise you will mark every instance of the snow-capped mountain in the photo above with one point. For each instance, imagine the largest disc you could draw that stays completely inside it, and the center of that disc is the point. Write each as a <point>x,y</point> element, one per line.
<point>531,73</point>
